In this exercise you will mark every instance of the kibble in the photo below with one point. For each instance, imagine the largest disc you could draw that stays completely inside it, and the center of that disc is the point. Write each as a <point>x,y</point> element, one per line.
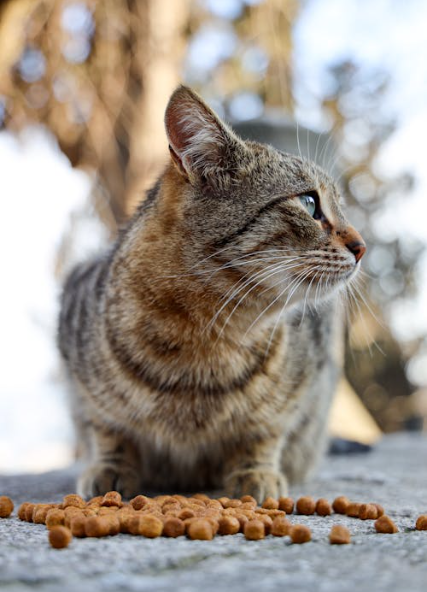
<point>323,507</point>
<point>22,510</point>
<point>228,525</point>
<point>380,510</point>
<point>340,504</point>
<point>286,504</point>
<point>77,526</point>
<point>97,526</point>
<point>280,527</point>
<point>201,530</point>
<point>353,509</point>
<point>55,517</point>
<point>29,509</point>
<point>385,525</point>
<point>300,533</point>
<point>199,517</point>
<point>73,500</point>
<point>368,512</point>
<point>146,525</point>
<point>112,498</point>
<point>59,537</point>
<point>270,504</point>
<point>306,505</point>
<point>6,506</point>
<point>254,530</point>
<point>173,527</point>
<point>339,535</point>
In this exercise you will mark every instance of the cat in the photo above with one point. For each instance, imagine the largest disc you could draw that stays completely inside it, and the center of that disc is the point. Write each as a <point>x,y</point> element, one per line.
<point>205,346</point>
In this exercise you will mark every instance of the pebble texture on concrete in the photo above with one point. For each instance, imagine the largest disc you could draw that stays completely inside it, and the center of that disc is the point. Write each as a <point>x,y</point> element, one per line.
<point>394,475</point>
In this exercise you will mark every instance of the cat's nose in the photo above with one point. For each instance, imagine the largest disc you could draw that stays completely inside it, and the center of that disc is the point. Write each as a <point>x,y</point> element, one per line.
<point>358,248</point>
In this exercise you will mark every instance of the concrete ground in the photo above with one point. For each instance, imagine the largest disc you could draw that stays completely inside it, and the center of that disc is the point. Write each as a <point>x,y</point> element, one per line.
<point>394,475</point>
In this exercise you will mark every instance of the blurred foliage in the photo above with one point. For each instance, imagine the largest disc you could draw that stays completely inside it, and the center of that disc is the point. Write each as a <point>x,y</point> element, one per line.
<point>98,74</point>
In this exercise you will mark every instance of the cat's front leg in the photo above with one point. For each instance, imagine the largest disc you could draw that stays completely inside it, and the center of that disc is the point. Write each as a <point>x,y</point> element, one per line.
<point>114,466</point>
<point>254,469</point>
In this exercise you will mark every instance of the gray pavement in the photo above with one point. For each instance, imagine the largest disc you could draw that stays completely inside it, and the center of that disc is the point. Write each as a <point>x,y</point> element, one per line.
<point>394,475</point>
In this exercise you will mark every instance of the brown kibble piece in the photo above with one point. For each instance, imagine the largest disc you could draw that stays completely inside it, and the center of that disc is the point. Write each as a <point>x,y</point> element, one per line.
<point>300,533</point>
<point>286,504</point>
<point>306,505</point>
<point>353,509</point>
<point>55,517</point>
<point>40,513</point>
<point>228,525</point>
<point>385,525</point>
<point>368,512</point>
<point>340,504</point>
<point>97,526</point>
<point>280,526</point>
<point>29,509</point>
<point>6,506</point>
<point>59,537</point>
<point>77,525</point>
<point>421,523</point>
<point>254,530</point>
<point>22,510</point>
<point>200,529</point>
<point>270,503</point>
<point>248,499</point>
<point>95,501</point>
<point>173,527</point>
<point>232,503</point>
<point>243,519</point>
<point>339,535</point>
<point>323,507</point>
<point>139,502</point>
<point>266,520</point>
<point>73,500</point>
<point>380,510</point>
<point>186,513</point>
<point>112,498</point>
<point>146,525</point>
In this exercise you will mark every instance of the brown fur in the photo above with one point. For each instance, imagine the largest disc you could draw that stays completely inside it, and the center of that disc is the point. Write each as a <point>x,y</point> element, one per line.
<point>190,368</point>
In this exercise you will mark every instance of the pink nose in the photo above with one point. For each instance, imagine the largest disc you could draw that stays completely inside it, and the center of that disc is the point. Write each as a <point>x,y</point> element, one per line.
<point>358,248</point>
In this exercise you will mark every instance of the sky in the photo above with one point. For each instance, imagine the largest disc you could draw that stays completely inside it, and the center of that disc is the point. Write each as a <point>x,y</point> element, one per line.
<point>41,192</point>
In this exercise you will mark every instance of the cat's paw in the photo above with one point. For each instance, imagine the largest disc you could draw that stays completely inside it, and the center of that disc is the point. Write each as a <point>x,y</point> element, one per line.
<point>260,483</point>
<point>99,478</point>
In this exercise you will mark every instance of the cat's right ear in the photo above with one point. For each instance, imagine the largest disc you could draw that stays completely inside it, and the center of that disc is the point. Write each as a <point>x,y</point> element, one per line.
<point>199,142</point>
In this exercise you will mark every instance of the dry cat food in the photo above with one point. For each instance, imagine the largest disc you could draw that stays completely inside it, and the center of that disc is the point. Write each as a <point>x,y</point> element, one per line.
<point>339,535</point>
<point>385,525</point>
<point>300,533</point>
<point>198,517</point>
<point>421,523</point>
<point>59,537</point>
<point>6,506</point>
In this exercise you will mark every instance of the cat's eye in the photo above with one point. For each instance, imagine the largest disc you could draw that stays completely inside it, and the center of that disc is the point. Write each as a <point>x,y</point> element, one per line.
<point>309,202</point>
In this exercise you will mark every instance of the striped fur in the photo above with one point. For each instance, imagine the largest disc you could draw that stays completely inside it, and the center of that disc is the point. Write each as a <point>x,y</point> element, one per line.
<point>205,346</point>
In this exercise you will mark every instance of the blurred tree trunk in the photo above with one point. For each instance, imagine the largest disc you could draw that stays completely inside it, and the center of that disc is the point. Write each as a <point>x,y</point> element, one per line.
<point>106,110</point>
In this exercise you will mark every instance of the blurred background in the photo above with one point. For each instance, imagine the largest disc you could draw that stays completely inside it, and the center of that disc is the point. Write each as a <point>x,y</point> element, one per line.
<point>83,87</point>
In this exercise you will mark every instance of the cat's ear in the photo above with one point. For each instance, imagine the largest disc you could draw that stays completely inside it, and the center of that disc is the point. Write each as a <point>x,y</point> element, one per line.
<point>199,142</point>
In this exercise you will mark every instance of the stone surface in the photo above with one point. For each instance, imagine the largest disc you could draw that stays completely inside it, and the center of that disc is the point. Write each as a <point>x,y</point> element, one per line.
<point>394,474</point>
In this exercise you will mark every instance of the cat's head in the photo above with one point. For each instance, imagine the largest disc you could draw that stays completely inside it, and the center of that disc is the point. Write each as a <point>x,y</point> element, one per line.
<point>253,216</point>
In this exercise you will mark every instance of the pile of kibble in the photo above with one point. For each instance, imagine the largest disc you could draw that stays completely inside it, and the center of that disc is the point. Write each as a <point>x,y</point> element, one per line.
<point>198,517</point>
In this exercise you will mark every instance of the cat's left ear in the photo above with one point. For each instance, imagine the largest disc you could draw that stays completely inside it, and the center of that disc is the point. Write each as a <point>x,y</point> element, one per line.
<point>201,145</point>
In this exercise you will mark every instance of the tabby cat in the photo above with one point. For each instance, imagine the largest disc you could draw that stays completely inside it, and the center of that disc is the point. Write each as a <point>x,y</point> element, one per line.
<point>204,347</point>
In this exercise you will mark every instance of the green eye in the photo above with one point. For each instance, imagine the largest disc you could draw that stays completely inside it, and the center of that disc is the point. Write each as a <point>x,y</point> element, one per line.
<point>309,203</point>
